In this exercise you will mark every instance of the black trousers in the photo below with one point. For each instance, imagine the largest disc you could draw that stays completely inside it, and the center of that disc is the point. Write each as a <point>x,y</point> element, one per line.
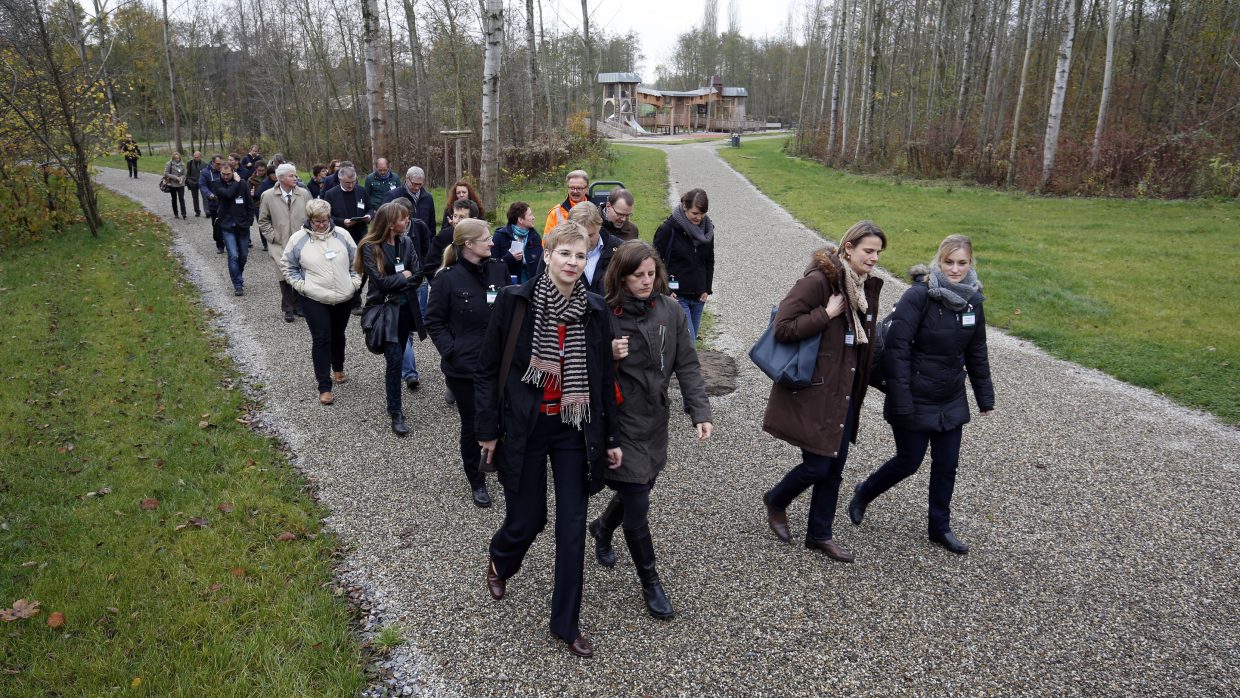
<point>216,235</point>
<point>526,516</point>
<point>178,196</point>
<point>634,501</point>
<point>132,164</point>
<point>393,352</point>
<point>821,473</point>
<point>193,193</point>
<point>463,389</point>
<point>910,450</point>
<point>327,325</point>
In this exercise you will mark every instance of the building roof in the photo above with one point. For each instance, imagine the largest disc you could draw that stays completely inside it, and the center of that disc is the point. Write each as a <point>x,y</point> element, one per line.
<point>735,92</point>
<point>699,92</point>
<point>605,78</point>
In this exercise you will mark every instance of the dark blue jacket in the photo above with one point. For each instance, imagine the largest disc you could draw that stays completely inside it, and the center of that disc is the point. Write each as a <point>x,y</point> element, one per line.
<point>206,180</point>
<point>600,270</point>
<point>457,312</point>
<point>521,400</point>
<point>424,210</point>
<point>233,201</point>
<point>693,267</point>
<point>927,352</point>
<point>531,264</point>
<point>346,205</point>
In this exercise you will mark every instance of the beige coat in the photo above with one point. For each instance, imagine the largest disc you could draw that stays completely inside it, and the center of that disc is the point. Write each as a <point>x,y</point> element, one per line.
<point>279,220</point>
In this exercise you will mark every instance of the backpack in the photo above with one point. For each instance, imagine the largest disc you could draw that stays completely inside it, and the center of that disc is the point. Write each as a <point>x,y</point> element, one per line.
<point>878,379</point>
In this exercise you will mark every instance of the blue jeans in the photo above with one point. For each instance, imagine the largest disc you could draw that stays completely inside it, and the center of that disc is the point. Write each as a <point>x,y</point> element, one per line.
<point>237,242</point>
<point>409,362</point>
<point>693,313</point>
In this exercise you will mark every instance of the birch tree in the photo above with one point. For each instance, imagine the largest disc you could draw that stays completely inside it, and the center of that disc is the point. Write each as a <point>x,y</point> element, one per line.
<point>1108,74</point>
<point>493,32</point>
<point>1054,117</point>
<point>588,68</point>
<point>172,83</point>
<point>376,100</point>
<point>531,67</point>
<point>1020,94</point>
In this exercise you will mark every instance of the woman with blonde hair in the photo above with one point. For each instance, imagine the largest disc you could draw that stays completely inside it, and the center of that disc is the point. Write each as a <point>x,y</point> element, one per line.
<point>457,313</point>
<point>390,261</point>
<point>937,338</point>
<point>175,175</point>
<point>836,299</point>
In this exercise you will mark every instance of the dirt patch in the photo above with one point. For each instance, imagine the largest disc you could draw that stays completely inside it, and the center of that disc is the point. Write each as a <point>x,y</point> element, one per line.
<point>718,370</point>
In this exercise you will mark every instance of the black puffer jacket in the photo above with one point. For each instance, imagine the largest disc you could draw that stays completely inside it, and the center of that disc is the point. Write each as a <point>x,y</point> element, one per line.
<point>457,312</point>
<point>693,267</point>
<point>927,352</point>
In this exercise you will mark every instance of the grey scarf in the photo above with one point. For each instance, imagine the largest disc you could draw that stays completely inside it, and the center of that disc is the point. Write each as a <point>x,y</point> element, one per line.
<point>699,234</point>
<point>954,296</point>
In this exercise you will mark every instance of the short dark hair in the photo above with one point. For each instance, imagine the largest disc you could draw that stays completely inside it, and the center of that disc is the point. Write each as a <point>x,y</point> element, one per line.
<point>466,203</point>
<point>314,171</point>
<point>620,194</point>
<point>516,210</point>
<point>695,198</point>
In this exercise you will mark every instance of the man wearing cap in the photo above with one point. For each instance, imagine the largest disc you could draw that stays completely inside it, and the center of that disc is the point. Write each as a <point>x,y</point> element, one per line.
<point>281,211</point>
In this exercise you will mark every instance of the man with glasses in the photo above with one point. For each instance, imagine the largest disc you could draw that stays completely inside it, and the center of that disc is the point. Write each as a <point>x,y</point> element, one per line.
<point>578,184</point>
<point>617,216</point>
<point>281,212</point>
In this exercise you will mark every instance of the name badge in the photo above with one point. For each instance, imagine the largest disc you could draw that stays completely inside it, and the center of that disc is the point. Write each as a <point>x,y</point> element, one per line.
<point>968,319</point>
<point>239,200</point>
<point>869,317</point>
<point>330,254</point>
<point>849,339</point>
<point>361,204</point>
<point>673,284</point>
<point>492,294</point>
<point>399,267</point>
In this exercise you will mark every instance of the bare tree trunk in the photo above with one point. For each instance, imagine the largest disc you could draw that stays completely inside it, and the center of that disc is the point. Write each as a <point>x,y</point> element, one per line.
<point>847,99</point>
<point>866,88</point>
<point>172,83</point>
<point>1020,94</point>
<point>992,73</point>
<point>810,41</point>
<point>591,92</point>
<point>1108,73</point>
<point>376,100</point>
<point>962,94</point>
<point>105,44</point>
<point>422,120</point>
<point>835,83</point>
<point>538,123</point>
<point>828,62</point>
<point>1055,117</point>
<point>395,153</point>
<point>873,30</point>
<point>493,33</point>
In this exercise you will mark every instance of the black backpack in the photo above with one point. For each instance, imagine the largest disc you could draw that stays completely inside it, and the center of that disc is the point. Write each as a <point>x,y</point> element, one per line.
<point>878,379</point>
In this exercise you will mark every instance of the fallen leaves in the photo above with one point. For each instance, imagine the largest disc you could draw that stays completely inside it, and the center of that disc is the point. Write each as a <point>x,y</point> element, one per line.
<point>55,620</point>
<point>67,448</point>
<point>285,536</point>
<point>237,572</point>
<point>99,492</point>
<point>196,521</point>
<point>225,507</point>
<point>149,504</point>
<point>21,610</point>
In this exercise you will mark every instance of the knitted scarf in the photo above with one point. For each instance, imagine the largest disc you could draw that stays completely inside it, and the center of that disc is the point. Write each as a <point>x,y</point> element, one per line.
<point>698,234</point>
<point>854,288</point>
<point>953,295</point>
<point>552,309</point>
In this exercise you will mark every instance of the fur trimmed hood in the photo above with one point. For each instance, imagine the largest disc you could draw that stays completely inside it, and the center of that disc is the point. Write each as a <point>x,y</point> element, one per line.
<point>826,261</point>
<point>919,273</point>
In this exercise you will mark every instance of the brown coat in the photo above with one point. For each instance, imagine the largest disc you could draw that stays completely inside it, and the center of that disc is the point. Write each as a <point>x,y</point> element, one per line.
<point>813,418</point>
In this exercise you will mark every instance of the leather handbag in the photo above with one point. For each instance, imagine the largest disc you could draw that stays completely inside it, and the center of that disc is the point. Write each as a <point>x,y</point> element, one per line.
<point>505,367</point>
<point>163,185</point>
<point>376,321</point>
<point>790,364</point>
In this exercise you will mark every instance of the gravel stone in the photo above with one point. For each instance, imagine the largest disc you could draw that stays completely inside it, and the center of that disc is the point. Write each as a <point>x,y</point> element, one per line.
<point>1101,517</point>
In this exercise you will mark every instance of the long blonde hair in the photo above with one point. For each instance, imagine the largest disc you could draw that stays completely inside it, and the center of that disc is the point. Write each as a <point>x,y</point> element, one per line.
<point>466,230</point>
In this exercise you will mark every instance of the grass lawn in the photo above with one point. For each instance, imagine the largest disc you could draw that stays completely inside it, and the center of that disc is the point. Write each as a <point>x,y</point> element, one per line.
<point>1145,290</point>
<point>135,502</point>
<point>643,171</point>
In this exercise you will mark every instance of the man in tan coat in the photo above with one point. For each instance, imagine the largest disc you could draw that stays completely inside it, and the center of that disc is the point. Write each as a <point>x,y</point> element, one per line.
<point>281,212</point>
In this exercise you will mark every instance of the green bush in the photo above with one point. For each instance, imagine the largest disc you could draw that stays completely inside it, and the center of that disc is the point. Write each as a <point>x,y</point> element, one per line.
<point>35,202</point>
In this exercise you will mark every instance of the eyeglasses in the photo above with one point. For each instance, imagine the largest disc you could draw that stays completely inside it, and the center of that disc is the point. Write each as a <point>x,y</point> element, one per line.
<point>320,221</point>
<point>566,255</point>
<point>577,189</point>
<point>482,241</point>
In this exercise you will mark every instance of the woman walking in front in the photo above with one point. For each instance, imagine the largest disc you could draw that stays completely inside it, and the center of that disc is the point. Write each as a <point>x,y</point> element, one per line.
<point>386,256</point>
<point>937,336</point>
<point>653,344</point>
<point>457,313</point>
<point>558,400</point>
<point>837,299</point>
<point>687,242</point>
<point>318,263</point>
<point>174,175</point>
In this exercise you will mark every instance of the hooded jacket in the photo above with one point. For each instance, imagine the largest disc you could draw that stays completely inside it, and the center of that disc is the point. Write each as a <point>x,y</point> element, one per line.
<point>813,418</point>
<point>319,266</point>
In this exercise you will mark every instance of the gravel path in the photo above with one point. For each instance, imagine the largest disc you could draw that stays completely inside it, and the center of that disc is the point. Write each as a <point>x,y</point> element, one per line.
<point>1102,522</point>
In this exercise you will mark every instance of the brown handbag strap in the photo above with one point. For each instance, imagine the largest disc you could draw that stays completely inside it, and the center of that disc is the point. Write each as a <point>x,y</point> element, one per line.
<point>510,346</point>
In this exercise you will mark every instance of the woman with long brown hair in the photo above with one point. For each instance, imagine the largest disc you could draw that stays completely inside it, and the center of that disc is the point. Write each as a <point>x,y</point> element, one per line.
<point>389,259</point>
<point>462,190</point>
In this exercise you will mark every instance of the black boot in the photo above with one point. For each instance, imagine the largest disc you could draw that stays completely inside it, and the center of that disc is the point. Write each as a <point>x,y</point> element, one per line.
<point>398,424</point>
<point>602,528</point>
<point>641,547</point>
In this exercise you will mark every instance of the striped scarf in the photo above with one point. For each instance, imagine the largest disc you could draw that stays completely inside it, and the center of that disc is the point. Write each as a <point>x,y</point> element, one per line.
<point>552,309</point>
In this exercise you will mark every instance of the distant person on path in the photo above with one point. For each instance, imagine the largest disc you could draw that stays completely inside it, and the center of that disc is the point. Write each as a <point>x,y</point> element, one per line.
<point>686,240</point>
<point>250,158</point>
<point>379,183</point>
<point>837,299</point>
<point>131,151</point>
<point>206,185</point>
<point>193,171</point>
<point>333,177</point>
<point>601,245</point>
<point>578,182</point>
<point>281,212</point>
<point>617,215</point>
<point>463,190</point>
<point>233,195</point>
<point>559,403</point>
<point>937,338</point>
<point>387,257</point>
<point>421,203</point>
<point>518,244</point>
<point>318,263</point>
<point>652,345</point>
<point>175,175</point>
<point>315,185</point>
<point>459,308</point>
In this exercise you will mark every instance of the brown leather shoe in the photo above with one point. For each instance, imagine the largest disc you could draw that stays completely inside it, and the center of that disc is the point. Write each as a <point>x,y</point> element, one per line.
<point>776,519</point>
<point>326,398</point>
<point>581,647</point>
<point>340,377</point>
<point>831,549</point>
<point>495,584</point>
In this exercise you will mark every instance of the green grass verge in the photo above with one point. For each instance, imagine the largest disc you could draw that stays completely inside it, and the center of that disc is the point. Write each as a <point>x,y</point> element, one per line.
<point>115,386</point>
<point>643,171</point>
<point>1145,290</point>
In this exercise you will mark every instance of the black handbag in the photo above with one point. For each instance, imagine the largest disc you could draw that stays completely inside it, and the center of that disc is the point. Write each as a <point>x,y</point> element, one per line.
<point>377,321</point>
<point>163,185</point>
<point>505,367</point>
<point>790,364</point>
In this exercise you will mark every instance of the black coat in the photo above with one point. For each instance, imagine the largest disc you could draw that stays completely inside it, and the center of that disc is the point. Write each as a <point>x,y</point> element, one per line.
<point>229,211</point>
<point>457,312</point>
<point>514,420</point>
<point>434,255</point>
<point>600,270</point>
<point>390,281</point>
<point>345,206</point>
<point>531,260</point>
<point>927,352</point>
<point>693,267</point>
<point>423,211</point>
